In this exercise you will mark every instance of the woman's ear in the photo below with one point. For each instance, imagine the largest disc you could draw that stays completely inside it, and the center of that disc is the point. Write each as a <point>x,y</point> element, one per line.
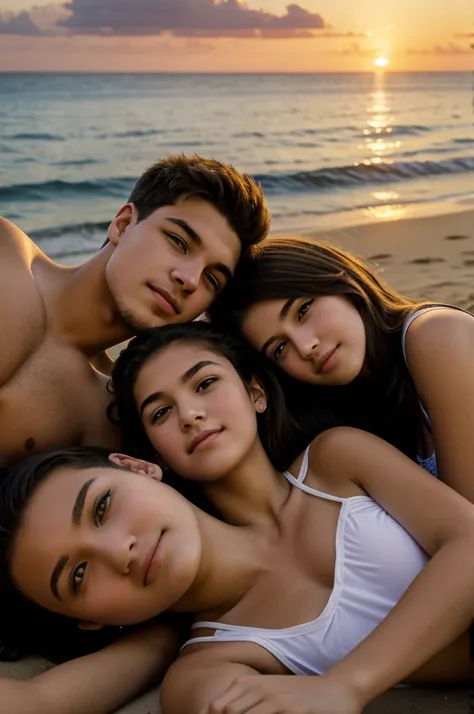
<point>138,466</point>
<point>120,223</point>
<point>258,396</point>
<point>89,626</point>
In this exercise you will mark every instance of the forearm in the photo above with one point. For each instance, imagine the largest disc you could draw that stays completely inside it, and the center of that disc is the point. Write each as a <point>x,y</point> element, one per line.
<point>98,683</point>
<point>433,612</point>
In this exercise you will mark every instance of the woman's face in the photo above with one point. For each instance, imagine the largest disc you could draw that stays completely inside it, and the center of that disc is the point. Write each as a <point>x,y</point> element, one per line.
<point>196,411</point>
<point>106,546</point>
<point>319,340</point>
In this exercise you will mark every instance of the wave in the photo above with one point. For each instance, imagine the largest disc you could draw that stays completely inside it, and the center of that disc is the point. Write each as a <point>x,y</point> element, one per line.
<point>51,190</point>
<point>135,133</point>
<point>69,240</point>
<point>75,162</point>
<point>362,173</point>
<point>273,183</point>
<point>35,136</point>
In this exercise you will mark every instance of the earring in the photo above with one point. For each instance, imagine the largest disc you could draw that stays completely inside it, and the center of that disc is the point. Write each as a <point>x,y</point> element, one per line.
<point>261,408</point>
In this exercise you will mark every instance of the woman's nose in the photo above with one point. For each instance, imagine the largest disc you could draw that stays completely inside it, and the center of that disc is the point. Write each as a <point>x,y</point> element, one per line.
<point>120,551</point>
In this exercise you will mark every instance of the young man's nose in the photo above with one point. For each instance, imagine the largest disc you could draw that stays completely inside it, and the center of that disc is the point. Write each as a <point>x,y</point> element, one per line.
<point>187,280</point>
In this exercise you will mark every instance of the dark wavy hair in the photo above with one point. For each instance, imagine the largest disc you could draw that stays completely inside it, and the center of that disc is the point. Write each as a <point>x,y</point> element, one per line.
<point>25,626</point>
<point>282,268</point>
<point>237,196</point>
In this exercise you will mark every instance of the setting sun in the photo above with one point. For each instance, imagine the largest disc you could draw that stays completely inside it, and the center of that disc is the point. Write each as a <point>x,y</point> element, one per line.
<point>381,61</point>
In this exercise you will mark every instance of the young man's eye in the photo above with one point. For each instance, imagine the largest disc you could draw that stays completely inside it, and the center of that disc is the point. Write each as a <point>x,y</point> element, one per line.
<point>159,414</point>
<point>77,576</point>
<point>303,309</point>
<point>178,241</point>
<point>206,383</point>
<point>279,351</point>
<point>215,284</point>
<point>101,507</point>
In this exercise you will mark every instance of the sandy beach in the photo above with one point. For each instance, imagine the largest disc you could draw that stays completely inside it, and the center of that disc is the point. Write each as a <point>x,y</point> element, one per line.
<point>426,258</point>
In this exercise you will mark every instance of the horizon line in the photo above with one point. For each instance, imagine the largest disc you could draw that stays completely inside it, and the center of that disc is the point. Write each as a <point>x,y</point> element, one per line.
<point>240,73</point>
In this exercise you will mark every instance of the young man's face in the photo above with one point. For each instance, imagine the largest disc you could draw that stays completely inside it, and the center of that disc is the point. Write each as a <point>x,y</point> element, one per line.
<point>170,266</point>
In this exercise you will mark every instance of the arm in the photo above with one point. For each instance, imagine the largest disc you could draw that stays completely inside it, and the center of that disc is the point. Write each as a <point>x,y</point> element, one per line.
<point>198,678</point>
<point>97,683</point>
<point>440,357</point>
<point>439,605</point>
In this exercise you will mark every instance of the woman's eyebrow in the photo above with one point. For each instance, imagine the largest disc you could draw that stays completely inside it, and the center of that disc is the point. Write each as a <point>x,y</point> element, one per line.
<point>76,517</point>
<point>189,374</point>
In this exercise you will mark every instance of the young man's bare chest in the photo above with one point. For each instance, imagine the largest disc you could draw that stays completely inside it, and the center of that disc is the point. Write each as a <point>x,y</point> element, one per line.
<point>54,398</point>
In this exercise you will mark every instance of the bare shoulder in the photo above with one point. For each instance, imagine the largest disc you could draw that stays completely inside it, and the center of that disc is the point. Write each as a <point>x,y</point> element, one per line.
<point>14,243</point>
<point>334,453</point>
<point>21,309</point>
<point>447,327</point>
<point>339,444</point>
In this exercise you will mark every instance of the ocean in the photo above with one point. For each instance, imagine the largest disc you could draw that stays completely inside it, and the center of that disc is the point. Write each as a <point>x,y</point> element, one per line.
<point>330,150</point>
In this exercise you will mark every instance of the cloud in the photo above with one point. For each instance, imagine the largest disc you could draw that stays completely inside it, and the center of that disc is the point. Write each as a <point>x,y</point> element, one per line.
<point>20,24</point>
<point>446,50</point>
<point>180,18</point>
<point>201,18</point>
<point>354,50</point>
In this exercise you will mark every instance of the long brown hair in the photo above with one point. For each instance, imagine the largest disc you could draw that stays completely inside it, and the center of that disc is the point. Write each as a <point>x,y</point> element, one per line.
<point>282,268</point>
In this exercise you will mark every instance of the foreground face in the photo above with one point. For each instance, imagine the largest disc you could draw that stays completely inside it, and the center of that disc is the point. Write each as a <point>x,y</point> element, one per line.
<point>196,411</point>
<point>319,340</point>
<point>170,266</point>
<point>106,546</point>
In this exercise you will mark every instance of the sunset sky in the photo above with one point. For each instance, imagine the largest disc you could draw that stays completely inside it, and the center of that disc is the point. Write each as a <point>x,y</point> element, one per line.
<point>232,36</point>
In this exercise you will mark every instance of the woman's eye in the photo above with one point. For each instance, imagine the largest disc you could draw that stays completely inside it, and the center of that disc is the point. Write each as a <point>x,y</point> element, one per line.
<point>100,508</point>
<point>205,384</point>
<point>179,242</point>
<point>213,281</point>
<point>159,414</point>
<point>303,309</point>
<point>279,351</point>
<point>77,576</point>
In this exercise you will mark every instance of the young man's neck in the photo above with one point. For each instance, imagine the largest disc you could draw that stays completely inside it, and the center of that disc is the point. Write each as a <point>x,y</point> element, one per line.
<point>84,309</point>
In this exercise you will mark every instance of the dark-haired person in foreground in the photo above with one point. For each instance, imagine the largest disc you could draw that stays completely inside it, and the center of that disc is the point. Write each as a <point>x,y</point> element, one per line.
<point>171,249</point>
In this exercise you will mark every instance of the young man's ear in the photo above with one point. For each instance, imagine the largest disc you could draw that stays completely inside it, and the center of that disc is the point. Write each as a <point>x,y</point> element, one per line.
<point>138,466</point>
<point>90,626</point>
<point>258,395</point>
<point>121,222</point>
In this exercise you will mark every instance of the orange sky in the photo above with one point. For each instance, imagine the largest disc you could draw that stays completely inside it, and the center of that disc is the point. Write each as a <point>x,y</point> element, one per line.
<point>413,34</point>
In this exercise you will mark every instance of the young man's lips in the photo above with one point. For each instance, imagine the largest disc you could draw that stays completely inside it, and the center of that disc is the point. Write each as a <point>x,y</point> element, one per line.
<point>325,361</point>
<point>165,300</point>
<point>202,438</point>
<point>151,564</point>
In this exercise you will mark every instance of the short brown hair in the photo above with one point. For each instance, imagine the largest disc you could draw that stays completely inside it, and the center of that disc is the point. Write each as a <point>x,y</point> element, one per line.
<point>238,197</point>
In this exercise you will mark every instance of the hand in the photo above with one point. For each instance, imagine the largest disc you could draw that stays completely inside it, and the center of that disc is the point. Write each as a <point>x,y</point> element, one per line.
<point>287,694</point>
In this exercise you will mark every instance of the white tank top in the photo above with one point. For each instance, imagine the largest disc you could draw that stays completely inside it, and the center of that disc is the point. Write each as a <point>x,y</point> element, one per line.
<point>376,560</point>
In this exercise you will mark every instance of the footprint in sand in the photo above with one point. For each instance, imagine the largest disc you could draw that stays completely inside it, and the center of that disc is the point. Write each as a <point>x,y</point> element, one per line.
<point>467,252</point>
<point>468,262</point>
<point>457,237</point>
<point>425,261</point>
<point>380,256</point>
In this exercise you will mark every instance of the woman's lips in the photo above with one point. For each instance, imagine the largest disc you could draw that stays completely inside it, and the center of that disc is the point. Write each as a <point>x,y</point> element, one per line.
<point>204,438</point>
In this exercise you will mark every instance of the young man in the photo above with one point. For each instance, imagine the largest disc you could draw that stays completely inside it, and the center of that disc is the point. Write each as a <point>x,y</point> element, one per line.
<point>169,251</point>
